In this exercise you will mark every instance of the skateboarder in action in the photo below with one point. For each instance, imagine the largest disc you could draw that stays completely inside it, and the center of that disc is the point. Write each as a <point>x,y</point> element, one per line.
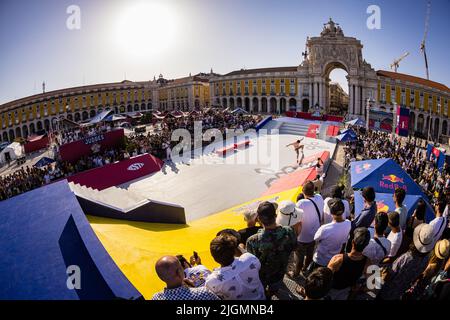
<point>297,147</point>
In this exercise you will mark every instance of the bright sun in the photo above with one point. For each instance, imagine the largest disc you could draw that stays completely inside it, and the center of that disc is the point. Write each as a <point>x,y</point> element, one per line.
<point>145,29</point>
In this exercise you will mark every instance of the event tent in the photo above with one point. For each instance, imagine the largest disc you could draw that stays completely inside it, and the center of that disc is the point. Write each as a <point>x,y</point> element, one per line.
<point>114,117</point>
<point>101,116</point>
<point>356,122</point>
<point>350,131</point>
<point>13,150</point>
<point>384,175</point>
<point>44,161</point>
<point>346,137</point>
<point>385,203</point>
<point>239,111</point>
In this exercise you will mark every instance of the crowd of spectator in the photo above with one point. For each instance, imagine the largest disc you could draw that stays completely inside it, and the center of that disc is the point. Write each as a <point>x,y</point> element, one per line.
<point>156,142</point>
<point>331,251</point>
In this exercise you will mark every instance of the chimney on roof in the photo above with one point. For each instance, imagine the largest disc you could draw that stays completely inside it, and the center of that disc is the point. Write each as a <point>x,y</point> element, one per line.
<point>43,87</point>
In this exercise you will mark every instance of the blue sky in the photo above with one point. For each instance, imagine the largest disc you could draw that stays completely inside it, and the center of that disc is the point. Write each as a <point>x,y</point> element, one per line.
<point>195,35</point>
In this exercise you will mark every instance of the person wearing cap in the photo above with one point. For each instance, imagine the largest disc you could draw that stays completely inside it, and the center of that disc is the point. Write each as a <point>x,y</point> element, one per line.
<point>349,267</point>
<point>406,268</point>
<point>336,193</point>
<point>289,215</point>
<point>272,245</point>
<point>331,237</point>
<point>311,220</point>
<point>250,217</point>
<point>378,247</point>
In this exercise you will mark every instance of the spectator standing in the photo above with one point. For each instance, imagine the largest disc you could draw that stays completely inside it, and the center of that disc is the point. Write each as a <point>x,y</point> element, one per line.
<point>317,284</point>
<point>349,267</point>
<point>312,219</point>
<point>272,246</point>
<point>400,208</point>
<point>440,222</point>
<point>330,238</point>
<point>378,247</point>
<point>408,266</point>
<point>250,217</point>
<point>336,193</point>
<point>238,277</point>
<point>395,237</point>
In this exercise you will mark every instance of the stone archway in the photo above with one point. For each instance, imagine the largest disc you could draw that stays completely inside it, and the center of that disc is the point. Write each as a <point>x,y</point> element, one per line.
<point>412,121</point>
<point>232,103</point>
<point>444,130</point>
<point>255,104</point>
<point>25,131</point>
<point>247,104</point>
<point>292,104</point>
<point>239,102</point>
<point>282,105</point>
<point>224,102</point>
<point>436,128</point>
<point>273,105</point>
<point>334,50</point>
<point>305,105</point>
<point>264,105</point>
<point>420,123</point>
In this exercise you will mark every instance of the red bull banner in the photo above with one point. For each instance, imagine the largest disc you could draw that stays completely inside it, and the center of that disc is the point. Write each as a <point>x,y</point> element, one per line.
<point>402,125</point>
<point>392,182</point>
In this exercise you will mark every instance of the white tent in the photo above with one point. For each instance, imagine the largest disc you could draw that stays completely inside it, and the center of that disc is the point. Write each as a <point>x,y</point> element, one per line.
<point>13,151</point>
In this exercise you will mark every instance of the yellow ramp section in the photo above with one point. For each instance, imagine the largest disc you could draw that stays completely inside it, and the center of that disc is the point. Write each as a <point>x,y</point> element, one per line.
<point>136,246</point>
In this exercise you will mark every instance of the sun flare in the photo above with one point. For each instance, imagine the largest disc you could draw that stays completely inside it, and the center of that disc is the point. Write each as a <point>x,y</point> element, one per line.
<point>145,29</point>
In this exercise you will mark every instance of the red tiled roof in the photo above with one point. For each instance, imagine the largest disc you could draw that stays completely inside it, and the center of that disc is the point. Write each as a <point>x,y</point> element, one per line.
<point>413,79</point>
<point>261,70</point>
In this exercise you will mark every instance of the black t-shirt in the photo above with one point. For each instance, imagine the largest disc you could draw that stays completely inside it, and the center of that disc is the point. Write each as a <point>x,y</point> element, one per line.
<point>247,233</point>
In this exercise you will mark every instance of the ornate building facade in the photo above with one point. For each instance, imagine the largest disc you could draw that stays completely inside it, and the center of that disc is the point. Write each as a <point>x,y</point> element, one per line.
<point>338,99</point>
<point>307,85</point>
<point>38,113</point>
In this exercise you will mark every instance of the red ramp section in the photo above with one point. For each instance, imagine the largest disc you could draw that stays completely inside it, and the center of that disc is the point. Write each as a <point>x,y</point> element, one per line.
<point>332,131</point>
<point>118,172</point>
<point>298,177</point>
<point>313,129</point>
<point>291,181</point>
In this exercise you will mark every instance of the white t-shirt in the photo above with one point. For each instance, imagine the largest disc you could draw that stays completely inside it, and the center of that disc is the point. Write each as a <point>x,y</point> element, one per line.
<point>436,223</point>
<point>326,210</point>
<point>330,238</point>
<point>374,252</point>
<point>238,281</point>
<point>310,219</point>
<point>396,241</point>
<point>403,213</point>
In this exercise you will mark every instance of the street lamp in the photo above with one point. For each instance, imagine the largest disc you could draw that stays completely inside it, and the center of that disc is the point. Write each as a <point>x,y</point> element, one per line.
<point>429,124</point>
<point>368,113</point>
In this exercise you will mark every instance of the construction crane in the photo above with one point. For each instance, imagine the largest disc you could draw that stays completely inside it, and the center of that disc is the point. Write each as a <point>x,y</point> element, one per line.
<point>396,63</point>
<point>422,45</point>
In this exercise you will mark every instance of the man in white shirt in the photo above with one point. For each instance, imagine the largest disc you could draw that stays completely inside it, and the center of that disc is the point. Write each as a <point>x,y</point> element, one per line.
<point>330,238</point>
<point>440,222</point>
<point>312,219</point>
<point>395,236</point>
<point>399,197</point>
<point>378,247</point>
<point>238,277</point>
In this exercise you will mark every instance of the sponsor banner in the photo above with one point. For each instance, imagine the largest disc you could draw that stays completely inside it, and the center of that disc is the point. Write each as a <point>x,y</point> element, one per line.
<point>402,124</point>
<point>73,151</point>
<point>94,139</point>
<point>118,173</point>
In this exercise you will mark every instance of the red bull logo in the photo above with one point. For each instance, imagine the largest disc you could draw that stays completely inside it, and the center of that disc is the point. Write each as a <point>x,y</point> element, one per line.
<point>382,207</point>
<point>392,182</point>
<point>392,178</point>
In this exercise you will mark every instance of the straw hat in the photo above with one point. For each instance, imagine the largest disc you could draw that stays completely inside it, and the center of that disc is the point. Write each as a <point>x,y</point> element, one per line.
<point>442,249</point>
<point>423,238</point>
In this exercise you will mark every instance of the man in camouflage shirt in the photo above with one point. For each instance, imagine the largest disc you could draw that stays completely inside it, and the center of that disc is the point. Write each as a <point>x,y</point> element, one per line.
<point>272,245</point>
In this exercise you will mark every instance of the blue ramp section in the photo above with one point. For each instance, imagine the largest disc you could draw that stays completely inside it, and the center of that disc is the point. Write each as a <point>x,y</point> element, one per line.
<point>384,175</point>
<point>385,203</point>
<point>42,233</point>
